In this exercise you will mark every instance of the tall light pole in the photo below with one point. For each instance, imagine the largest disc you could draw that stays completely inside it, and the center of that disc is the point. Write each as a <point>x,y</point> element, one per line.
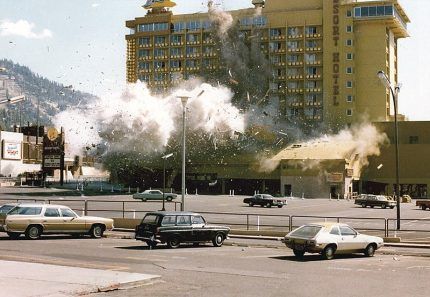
<point>164,176</point>
<point>395,93</point>
<point>184,100</point>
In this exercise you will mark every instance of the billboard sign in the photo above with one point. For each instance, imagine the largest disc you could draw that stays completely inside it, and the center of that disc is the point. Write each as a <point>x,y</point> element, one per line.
<point>12,150</point>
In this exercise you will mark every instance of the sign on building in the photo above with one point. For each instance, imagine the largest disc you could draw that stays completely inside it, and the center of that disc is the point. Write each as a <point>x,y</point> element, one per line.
<point>335,177</point>
<point>53,150</point>
<point>11,150</point>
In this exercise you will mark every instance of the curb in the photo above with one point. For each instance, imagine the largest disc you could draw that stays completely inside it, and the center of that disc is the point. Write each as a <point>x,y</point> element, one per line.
<point>118,235</point>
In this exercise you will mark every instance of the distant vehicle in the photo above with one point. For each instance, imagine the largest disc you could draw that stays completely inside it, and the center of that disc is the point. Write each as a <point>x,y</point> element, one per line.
<point>329,239</point>
<point>175,228</point>
<point>374,200</point>
<point>154,195</point>
<point>265,200</point>
<point>33,220</point>
<point>423,204</point>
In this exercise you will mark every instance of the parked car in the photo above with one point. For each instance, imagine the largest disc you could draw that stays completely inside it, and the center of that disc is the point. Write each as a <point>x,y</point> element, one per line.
<point>175,228</point>
<point>154,195</point>
<point>5,208</point>
<point>329,239</point>
<point>265,200</point>
<point>375,200</point>
<point>33,220</point>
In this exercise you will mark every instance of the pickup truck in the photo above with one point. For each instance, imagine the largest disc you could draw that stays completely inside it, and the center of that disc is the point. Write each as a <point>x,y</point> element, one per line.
<point>374,200</point>
<point>424,204</point>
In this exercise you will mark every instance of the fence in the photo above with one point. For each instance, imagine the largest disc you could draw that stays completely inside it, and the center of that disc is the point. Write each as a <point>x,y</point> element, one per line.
<point>248,221</point>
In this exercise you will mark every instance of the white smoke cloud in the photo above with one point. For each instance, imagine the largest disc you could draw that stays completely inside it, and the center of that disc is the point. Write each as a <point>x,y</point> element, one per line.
<point>358,143</point>
<point>22,28</point>
<point>137,120</point>
<point>221,19</point>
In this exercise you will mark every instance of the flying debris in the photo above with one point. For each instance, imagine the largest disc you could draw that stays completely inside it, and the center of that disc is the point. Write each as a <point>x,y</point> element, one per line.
<point>282,133</point>
<point>213,183</point>
<point>247,96</point>
<point>380,166</point>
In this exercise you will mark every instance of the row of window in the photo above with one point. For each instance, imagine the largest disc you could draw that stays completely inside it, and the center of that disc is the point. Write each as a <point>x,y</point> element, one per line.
<point>152,27</point>
<point>258,21</point>
<point>174,51</point>
<point>174,64</point>
<point>293,31</point>
<point>373,11</point>
<point>192,25</point>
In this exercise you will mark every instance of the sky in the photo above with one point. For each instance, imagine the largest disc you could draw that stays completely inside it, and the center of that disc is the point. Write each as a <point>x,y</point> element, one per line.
<point>82,43</point>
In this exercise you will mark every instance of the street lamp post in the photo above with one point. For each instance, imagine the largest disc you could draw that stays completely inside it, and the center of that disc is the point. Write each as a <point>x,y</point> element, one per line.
<point>395,93</point>
<point>184,100</point>
<point>164,176</point>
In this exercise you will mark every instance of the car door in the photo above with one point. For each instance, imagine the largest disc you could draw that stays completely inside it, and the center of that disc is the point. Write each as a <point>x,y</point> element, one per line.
<point>52,221</point>
<point>184,230</point>
<point>72,222</point>
<point>156,195</point>
<point>199,231</point>
<point>350,239</point>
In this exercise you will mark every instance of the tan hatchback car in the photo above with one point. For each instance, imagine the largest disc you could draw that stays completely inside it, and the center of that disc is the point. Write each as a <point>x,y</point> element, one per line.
<point>33,220</point>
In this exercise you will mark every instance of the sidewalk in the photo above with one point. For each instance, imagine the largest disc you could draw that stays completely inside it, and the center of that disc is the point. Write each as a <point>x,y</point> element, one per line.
<point>20,279</point>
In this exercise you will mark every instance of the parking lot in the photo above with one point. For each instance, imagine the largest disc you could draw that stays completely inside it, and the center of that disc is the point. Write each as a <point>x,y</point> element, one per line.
<point>232,211</point>
<point>232,270</point>
<point>241,267</point>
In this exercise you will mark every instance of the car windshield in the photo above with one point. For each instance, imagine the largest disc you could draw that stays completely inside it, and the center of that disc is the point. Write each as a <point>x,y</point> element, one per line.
<point>26,210</point>
<point>307,231</point>
<point>6,208</point>
<point>150,219</point>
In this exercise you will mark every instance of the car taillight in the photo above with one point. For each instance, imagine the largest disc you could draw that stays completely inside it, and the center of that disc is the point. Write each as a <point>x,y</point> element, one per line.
<point>157,230</point>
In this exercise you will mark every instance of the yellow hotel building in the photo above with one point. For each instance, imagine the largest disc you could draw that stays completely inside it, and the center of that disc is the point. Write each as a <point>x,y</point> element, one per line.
<point>324,54</point>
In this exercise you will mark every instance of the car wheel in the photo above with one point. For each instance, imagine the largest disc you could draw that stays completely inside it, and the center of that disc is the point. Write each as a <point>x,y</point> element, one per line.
<point>173,243</point>
<point>280,206</point>
<point>33,232</point>
<point>268,205</point>
<point>13,235</point>
<point>363,205</point>
<point>372,206</point>
<point>218,240</point>
<point>391,207</point>
<point>251,204</point>
<point>383,206</point>
<point>370,250</point>
<point>328,252</point>
<point>298,254</point>
<point>96,231</point>
<point>423,207</point>
<point>169,198</point>
<point>143,199</point>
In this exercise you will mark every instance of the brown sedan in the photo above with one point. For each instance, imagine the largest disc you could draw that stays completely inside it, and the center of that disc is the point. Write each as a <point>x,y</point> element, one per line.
<point>33,220</point>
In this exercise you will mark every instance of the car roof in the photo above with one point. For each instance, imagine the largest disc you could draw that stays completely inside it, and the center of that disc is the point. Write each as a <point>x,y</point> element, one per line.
<point>173,213</point>
<point>40,205</point>
<point>327,224</point>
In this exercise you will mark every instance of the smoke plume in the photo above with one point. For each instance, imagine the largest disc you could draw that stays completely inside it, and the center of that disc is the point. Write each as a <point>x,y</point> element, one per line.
<point>136,120</point>
<point>355,144</point>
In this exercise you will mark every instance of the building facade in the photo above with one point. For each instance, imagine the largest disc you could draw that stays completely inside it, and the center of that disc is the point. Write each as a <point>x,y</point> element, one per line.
<point>324,54</point>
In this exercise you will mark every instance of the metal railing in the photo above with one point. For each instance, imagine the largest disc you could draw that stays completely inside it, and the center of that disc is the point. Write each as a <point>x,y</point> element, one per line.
<point>247,221</point>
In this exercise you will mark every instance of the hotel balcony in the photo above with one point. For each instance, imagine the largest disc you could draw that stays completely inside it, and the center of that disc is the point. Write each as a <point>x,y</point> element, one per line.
<point>280,37</point>
<point>145,45</point>
<point>295,50</point>
<point>313,49</point>
<point>295,77</point>
<point>295,36</point>
<point>313,90</point>
<point>312,36</point>
<point>176,43</point>
<point>313,62</point>
<point>196,55</point>
<point>297,91</point>
<point>165,44</point>
<point>313,76</point>
<point>295,63</point>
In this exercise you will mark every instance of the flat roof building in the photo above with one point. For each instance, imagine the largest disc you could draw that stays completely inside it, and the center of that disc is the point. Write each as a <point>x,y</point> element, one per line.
<point>324,54</point>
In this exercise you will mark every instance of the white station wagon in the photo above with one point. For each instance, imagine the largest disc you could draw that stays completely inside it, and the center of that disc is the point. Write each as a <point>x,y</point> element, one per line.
<point>329,239</point>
